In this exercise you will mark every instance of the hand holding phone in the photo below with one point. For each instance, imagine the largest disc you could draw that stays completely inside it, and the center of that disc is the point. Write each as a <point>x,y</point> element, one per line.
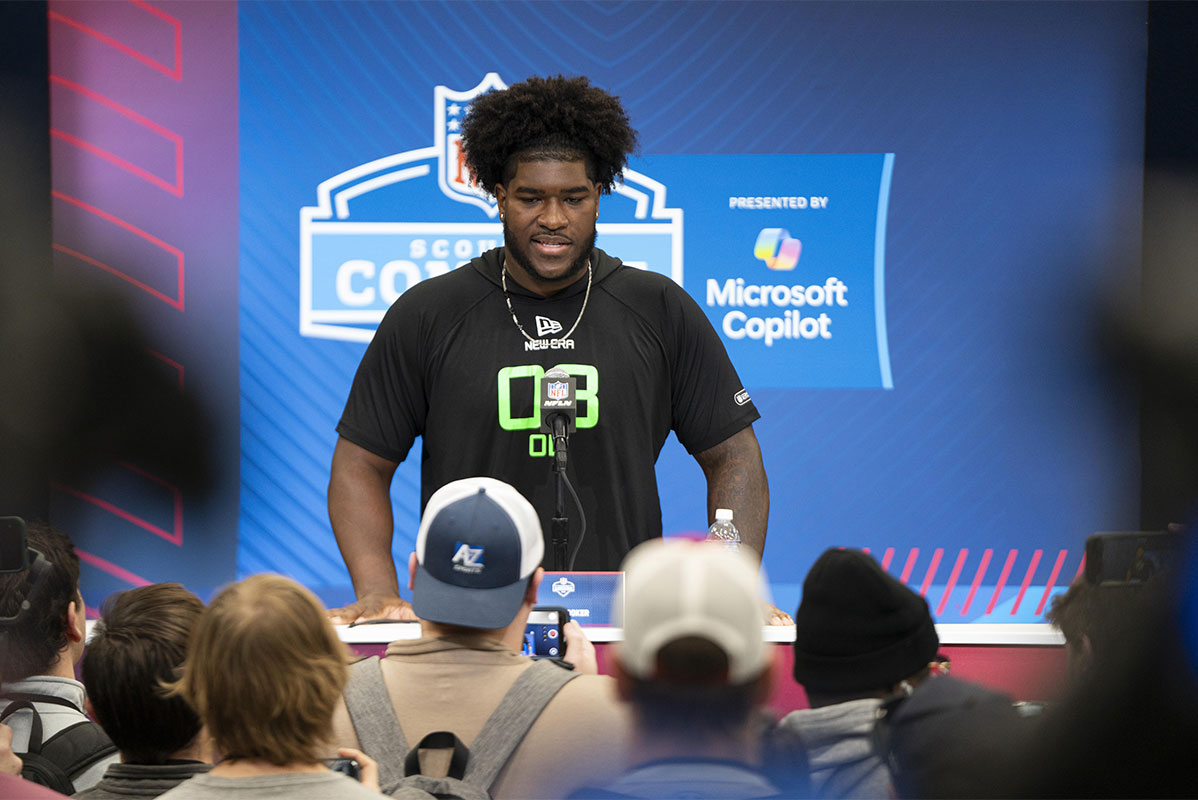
<point>349,767</point>
<point>367,769</point>
<point>579,650</point>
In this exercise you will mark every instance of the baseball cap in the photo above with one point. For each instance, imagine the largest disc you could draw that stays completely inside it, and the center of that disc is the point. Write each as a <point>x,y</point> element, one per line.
<point>678,588</point>
<point>479,542</point>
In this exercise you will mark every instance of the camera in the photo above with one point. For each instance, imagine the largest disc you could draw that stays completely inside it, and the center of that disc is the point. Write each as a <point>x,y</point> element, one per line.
<point>14,554</point>
<point>1130,557</point>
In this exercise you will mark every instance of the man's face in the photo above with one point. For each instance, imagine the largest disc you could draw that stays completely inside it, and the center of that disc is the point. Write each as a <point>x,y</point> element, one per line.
<point>549,210</point>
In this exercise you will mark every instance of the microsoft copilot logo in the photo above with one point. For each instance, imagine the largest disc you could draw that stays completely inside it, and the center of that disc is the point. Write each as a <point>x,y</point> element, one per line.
<point>777,249</point>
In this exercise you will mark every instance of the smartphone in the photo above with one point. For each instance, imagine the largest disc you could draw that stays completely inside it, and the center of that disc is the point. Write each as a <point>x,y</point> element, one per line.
<point>543,637</point>
<point>14,555</point>
<point>1130,557</point>
<point>346,766</point>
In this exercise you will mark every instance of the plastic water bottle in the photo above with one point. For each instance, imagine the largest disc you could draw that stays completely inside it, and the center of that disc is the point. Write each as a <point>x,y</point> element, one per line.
<point>723,530</point>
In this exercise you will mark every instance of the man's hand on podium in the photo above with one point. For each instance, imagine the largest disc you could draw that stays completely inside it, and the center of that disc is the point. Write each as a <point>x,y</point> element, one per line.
<point>774,615</point>
<point>372,606</point>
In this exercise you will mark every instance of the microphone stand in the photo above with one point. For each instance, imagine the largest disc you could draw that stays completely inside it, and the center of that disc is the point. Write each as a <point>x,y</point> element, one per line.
<point>559,528</point>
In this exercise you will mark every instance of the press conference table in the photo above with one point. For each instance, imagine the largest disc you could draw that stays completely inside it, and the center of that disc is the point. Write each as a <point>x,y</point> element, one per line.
<point>1026,661</point>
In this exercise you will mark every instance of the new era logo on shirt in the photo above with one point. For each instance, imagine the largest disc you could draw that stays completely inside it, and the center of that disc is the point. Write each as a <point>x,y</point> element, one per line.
<point>547,326</point>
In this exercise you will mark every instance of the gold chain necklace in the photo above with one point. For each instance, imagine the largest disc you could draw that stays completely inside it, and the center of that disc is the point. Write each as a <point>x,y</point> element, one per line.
<point>512,311</point>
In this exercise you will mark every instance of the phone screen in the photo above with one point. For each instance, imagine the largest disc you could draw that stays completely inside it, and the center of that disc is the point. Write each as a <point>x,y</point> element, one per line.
<point>1130,557</point>
<point>543,633</point>
<point>12,544</point>
<point>346,766</point>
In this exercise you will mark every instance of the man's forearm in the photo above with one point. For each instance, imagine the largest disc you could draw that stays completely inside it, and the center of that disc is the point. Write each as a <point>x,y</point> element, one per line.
<point>736,480</point>
<point>360,511</point>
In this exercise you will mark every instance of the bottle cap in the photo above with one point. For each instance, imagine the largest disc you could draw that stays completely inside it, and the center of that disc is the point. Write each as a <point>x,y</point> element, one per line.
<point>723,515</point>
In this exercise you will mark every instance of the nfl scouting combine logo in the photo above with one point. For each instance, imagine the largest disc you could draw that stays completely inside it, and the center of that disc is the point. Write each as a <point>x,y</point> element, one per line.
<point>381,227</point>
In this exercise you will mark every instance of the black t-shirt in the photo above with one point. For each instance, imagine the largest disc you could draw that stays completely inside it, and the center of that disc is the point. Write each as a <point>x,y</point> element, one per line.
<point>448,363</point>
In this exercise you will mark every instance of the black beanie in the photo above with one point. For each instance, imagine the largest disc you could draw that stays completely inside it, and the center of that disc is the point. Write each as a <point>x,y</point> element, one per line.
<point>858,628</point>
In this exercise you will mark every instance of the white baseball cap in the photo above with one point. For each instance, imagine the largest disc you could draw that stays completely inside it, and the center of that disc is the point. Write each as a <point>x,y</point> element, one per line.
<point>680,588</point>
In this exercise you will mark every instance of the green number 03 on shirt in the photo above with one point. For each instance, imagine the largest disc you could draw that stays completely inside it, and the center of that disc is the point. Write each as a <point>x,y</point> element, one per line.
<point>540,445</point>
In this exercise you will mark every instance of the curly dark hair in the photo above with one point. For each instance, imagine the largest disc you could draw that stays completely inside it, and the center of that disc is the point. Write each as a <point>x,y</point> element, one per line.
<point>547,119</point>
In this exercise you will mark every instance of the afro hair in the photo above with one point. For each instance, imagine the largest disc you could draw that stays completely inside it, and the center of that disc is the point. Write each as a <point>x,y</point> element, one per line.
<point>547,119</point>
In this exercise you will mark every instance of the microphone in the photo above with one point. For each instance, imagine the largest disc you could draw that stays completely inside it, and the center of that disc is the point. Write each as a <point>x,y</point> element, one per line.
<point>559,409</point>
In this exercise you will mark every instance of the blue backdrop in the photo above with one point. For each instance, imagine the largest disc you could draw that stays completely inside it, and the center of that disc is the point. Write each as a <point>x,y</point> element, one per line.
<point>981,166</point>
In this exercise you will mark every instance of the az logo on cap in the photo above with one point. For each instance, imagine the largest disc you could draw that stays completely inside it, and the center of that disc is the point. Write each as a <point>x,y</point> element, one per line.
<point>467,558</point>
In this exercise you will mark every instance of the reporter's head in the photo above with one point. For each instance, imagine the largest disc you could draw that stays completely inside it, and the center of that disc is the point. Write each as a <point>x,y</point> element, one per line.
<point>692,663</point>
<point>264,671</point>
<point>138,644</point>
<point>48,634</point>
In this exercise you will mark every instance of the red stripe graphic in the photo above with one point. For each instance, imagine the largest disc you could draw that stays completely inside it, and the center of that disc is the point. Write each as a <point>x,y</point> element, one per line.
<point>175,537</point>
<point>113,270</point>
<point>910,565</point>
<point>886,558</point>
<point>937,554</point>
<point>1081,567</point>
<point>175,188</point>
<point>111,569</point>
<point>172,363</point>
<point>1052,580</point>
<point>1002,580</point>
<point>136,231</point>
<point>977,580</point>
<point>952,581</point>
<point>176,24</point>
<point>1027,579</point>
<point>175,73</point>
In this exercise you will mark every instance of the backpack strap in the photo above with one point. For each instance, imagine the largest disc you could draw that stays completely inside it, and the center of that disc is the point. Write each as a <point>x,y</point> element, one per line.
<point>35,724</point>
<point>439,740</point>
<point>517,711</point>
<point>69,752</point>
<point>373,718</point>
<point>78,747</point>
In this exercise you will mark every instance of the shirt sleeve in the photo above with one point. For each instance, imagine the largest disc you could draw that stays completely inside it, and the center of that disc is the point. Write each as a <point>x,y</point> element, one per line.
<point>708,401</point>
<point>387,403</point>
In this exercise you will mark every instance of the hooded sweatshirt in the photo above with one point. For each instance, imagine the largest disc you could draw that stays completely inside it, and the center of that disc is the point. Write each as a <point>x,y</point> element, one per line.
<point>839,749</point>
